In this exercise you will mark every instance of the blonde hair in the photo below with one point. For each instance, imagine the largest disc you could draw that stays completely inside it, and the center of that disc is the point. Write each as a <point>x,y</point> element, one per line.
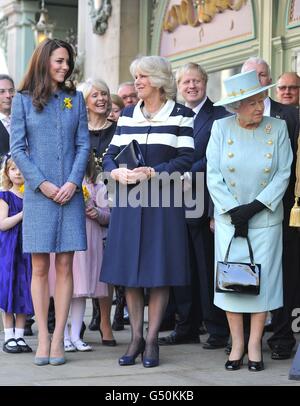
<point>87,86</point>
<point>191,66</point>
<point>6,183</point>
<point>159,71</point>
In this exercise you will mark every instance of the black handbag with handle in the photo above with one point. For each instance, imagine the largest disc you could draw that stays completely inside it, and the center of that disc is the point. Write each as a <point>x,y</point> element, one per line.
<point>237,277</point>
<point>131,156</point>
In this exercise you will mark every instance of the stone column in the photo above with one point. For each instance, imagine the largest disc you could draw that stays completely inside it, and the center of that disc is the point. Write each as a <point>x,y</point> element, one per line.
<point>20,38</point>
<point>265,29</point>
<point>108,56</point>
<point>100,52</point>
<point>129,37</point>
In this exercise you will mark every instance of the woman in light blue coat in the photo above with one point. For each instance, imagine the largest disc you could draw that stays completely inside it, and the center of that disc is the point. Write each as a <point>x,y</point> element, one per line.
<point>248,168</point>
<point>50,144</point>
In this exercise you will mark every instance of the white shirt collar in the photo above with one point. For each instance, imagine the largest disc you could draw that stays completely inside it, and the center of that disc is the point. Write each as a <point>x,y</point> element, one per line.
<point>162,115</point>
<point>267,103</point>
<point>198,108</point>
<point>3,117</point>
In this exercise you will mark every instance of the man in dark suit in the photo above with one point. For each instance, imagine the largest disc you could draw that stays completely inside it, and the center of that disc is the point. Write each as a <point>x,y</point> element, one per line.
<point>282,341</point>
<point>4,141</point>
<point>190,300</point>
<point>288,89</point>
<point>7,91</point>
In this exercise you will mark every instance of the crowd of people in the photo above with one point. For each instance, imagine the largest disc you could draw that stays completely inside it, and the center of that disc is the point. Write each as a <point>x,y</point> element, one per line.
<point>63,241</point>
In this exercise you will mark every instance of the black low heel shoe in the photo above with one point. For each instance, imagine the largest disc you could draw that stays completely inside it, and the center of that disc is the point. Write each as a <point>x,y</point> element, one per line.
<point>108,343</point>
<point>234,365</point>
<point>130,359</point>
<point>153,361</point>
<point>256,366</point>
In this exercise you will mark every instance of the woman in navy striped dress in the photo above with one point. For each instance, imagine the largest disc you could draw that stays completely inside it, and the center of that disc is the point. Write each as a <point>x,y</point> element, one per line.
<point>147,243</point>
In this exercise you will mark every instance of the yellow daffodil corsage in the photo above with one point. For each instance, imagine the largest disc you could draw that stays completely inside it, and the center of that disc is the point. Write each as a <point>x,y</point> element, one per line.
<point>68,103</point>
<point>22,188</point>
<point>86,193</point>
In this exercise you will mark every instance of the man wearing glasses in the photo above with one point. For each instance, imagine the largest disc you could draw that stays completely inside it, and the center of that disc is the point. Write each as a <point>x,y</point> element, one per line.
<point>287,88</point>
<point>128,93</point>
<point>7,92</point>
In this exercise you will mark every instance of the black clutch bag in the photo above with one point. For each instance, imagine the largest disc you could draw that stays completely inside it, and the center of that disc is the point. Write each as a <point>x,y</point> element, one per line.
<point>131,156</point>
<point>235,277</point>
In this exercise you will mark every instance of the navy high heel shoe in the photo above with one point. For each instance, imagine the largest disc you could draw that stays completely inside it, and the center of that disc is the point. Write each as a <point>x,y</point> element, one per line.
<point>154,360</point>
<point>235,364</point>
<point>108,343</point>
<point>130,359</point>
<point>256,366</point>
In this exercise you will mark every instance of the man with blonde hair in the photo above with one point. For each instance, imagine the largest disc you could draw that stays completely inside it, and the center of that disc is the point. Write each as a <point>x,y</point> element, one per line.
<point>195,302</point>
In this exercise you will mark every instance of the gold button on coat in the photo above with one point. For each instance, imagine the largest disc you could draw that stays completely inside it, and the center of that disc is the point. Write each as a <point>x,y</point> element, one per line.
<point>230,141</point>
<point>269,156</point>
<point>230,154</point>
<point>270,142</point>
<point>232,184</point>
<point>263,184</point>
<point>267,170</point>
<point>231,169</point>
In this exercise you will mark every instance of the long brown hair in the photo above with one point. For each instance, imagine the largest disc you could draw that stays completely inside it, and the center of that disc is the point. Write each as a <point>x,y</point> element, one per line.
<point>37,81</point>
<point>91,172</point>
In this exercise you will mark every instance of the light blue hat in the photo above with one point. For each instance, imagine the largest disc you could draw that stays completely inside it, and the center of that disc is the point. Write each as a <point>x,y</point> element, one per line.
<point>241,86</point>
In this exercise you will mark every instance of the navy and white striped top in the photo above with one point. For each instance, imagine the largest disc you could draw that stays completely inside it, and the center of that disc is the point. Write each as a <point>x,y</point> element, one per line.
<point>166,142</point>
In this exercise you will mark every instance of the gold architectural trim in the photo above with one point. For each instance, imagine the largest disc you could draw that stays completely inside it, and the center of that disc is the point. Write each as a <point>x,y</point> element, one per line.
<point>194,13</point>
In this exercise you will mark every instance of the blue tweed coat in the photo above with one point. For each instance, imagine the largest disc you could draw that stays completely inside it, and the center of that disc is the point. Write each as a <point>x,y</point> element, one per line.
<point>148,246</point>
<point>51,145</point>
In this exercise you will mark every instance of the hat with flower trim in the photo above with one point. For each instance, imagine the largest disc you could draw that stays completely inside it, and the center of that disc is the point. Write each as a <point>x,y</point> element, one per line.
<point>242,86</point>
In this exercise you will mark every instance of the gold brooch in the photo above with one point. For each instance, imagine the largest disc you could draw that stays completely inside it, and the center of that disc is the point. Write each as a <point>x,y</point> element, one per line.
<point>268,128</point>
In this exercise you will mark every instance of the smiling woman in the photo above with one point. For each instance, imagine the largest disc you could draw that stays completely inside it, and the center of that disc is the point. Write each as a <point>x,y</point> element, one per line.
<point>98,102</point>
<point>158,259</point>
<point>50,144</point>
<point>249,146</point>
<point>59,66</point>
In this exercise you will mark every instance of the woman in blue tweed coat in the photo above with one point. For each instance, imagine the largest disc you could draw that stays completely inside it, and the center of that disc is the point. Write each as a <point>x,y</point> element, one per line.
<point>147,244</point>
<point>50,144</point>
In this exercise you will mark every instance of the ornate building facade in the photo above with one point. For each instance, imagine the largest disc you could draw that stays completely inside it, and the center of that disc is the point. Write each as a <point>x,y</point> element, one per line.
<point>108,34</point>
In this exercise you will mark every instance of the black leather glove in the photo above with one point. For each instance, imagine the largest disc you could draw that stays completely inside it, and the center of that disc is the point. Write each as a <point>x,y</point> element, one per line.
<point>241,230</point>
<point>242,214</point>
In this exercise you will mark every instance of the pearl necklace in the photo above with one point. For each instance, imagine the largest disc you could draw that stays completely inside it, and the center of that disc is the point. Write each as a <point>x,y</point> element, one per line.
<point>98,128</point>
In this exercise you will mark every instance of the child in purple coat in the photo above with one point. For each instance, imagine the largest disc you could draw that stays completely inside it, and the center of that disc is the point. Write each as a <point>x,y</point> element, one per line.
<point>15,267</point>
